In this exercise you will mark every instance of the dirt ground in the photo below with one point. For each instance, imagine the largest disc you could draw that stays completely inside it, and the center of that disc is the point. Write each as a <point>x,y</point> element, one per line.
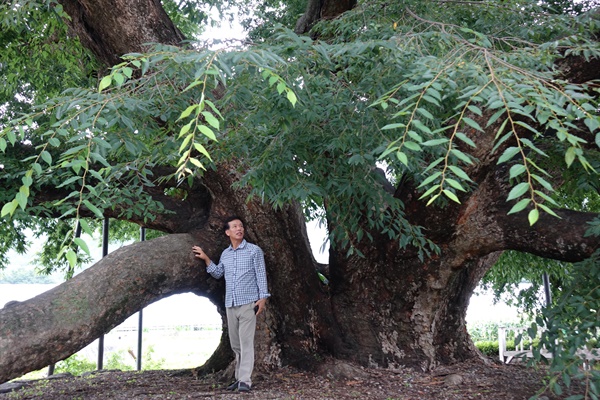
<point>469,380</point>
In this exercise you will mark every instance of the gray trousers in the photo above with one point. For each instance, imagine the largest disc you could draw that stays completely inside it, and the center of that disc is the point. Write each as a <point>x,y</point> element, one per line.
<point>241,323</point>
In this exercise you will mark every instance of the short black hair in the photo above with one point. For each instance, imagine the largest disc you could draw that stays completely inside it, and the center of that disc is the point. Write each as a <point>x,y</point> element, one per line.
<point>229,219</point>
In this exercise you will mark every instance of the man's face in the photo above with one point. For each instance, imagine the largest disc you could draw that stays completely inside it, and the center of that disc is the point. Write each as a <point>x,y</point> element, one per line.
<point>236,230</point>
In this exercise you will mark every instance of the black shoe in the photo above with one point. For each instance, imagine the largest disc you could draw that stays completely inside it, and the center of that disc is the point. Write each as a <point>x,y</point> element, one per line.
<point>233,386</point>
<point>243,387</point>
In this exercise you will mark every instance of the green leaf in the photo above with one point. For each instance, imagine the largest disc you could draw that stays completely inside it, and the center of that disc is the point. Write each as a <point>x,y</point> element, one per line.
<point>475,110</point>
<point>291,96</point>
<point>118,78</point>
<point>85,226</point>
<point>281,87</point>
<point>185,142</point>
<point>519,206</point>
<point>71,257</point>
<point>202,150</point>
<point>192,85</point>
<point>206,131</point>
<point>9,208</point>
<point>516,170</point>
<point>93,209</point>
<point>425,113</point>
<point>46,157</point>
<point>185,129</point>
<point>455,184</point>
<point>461,156</point>
<point>22,196</point>
<point>422,127</point>
<point>518,191</point>
<point>495,117</point>
<point>82,245</point>
<point>501,129</point>
<point>546,197</point>
<point>533,216</point>
<point>2,144</point>
<point>430,179</point>
<point>465,139</point>
<point>508,154</point>
<point>196,162</point>
<point>570,156</point>
<point>472,123</point>
<point>527,126</point>
<point>12,138</point>
<point>543,182</point>
<point>432,199</point>
<point>387,151</point>
<point>433,164</point>
<point>460,173</point>
<point>212,121</point>
<point>429,191</point>
<point>451,196</point>
<point>393,126</point>
<point>415,136</point>
<point>104,83</point>
<point>435,142</point>
<point>128,71</point>
<point>188,111</point>
<point>412,146</point>
<point>402,158</point>
<point>548,210</point>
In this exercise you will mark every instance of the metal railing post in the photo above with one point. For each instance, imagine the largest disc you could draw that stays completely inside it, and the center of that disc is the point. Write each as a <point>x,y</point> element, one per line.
<point>140,316</point>
<point>105,226</point>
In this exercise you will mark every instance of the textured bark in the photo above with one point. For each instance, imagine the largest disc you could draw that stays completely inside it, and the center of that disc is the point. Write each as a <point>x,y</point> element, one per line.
<point>389,308</point>
<point>57,323</point>
<point>321,9</point>
<point>111,29</point>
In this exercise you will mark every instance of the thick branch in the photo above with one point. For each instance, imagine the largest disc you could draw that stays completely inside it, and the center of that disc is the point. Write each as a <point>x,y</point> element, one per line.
<point>560,239</point>
<point>321,9</point>
<point>110,31</point>
<point>57,323</point>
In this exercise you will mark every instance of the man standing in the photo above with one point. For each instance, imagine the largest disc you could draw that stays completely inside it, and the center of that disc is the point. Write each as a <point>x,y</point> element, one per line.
<point>246,292</point>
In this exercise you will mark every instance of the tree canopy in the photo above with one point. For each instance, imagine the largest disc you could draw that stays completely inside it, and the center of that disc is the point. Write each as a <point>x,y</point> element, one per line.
<point>420,83</point>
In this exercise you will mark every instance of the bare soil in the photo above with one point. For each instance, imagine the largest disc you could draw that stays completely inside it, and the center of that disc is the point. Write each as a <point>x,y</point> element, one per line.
<point>469,380</point>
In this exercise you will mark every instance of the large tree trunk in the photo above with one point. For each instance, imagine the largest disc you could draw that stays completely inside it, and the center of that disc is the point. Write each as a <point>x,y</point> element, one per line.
<point>385,309</point>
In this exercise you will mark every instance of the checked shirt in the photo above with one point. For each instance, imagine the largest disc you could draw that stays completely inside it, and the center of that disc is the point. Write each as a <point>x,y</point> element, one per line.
<point>245,274</point>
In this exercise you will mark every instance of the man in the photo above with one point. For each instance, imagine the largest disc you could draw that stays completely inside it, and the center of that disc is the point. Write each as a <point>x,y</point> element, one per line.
<point>246,292</point>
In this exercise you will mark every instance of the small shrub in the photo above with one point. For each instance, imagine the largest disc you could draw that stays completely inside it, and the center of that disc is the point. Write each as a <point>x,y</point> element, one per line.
<point>488,348</point>
<point>76,365</point>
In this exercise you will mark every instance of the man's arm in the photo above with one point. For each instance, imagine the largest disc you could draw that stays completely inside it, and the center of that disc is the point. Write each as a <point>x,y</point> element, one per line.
<point>215,270</point>
<point>261,280</point>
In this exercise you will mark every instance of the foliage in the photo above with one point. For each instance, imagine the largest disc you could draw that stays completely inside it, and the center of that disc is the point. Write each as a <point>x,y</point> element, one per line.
<point>76,365</point>
<point>39,57</point>
<point>408,94</point>
<point>517,278</point>
<point>22,275</point>
<point>571,330</point>
<point>188,16</point>
<point>514,268</point>
<point>491,348</point>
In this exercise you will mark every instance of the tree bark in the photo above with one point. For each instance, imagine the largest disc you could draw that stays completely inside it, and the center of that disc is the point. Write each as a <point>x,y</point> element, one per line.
<point>123,26</point>
<point>321,9</point>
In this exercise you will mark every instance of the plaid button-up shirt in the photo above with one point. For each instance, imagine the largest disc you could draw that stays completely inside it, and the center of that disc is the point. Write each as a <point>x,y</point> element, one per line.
<point>245,274</point>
